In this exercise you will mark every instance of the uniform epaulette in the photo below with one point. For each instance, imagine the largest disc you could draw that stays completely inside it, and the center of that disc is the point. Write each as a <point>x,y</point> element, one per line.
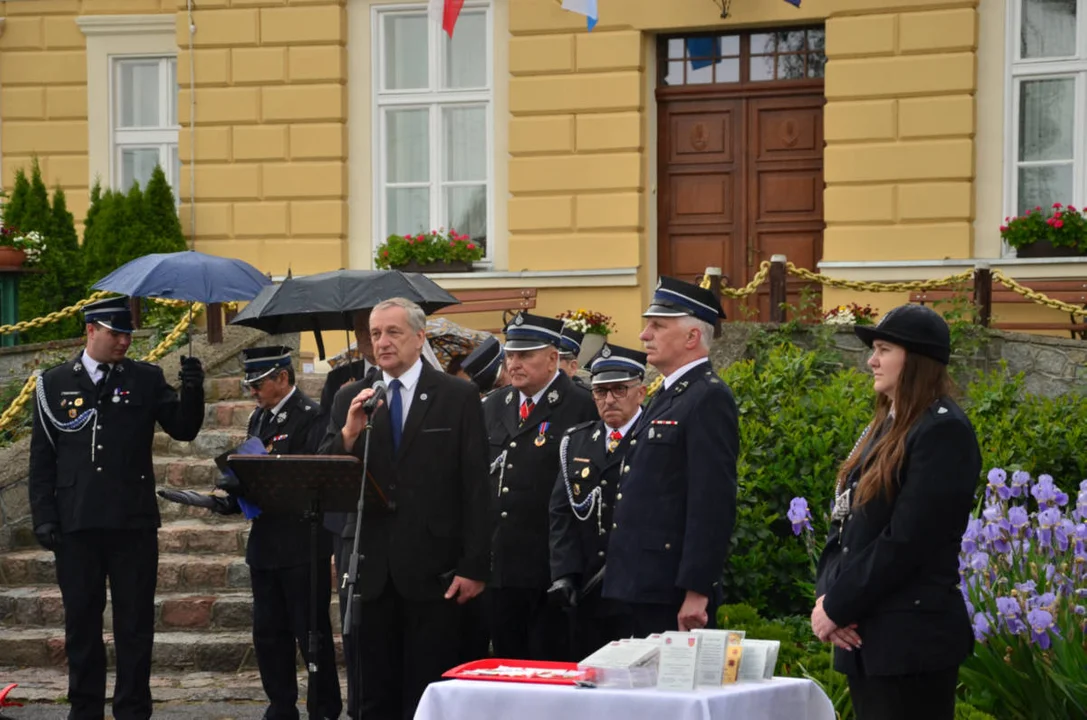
<point>581,426</point>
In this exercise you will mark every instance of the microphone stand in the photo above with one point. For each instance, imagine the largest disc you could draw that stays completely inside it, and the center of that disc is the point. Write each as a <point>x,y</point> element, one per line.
<point>350,578</point>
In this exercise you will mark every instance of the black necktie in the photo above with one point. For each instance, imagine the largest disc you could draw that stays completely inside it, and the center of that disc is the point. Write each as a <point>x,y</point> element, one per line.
<point>265,421</point>
<point>100,386</point>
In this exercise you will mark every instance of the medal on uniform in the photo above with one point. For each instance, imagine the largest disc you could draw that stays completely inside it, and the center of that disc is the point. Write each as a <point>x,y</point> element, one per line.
<point>585,472</point>
<point>577,489</point>
<point>72,413</point>
<point>542,437</point>
<point>78,402</point>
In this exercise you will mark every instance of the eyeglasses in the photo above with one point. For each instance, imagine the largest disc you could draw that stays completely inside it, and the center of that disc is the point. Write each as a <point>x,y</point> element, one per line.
<point>617,391</point>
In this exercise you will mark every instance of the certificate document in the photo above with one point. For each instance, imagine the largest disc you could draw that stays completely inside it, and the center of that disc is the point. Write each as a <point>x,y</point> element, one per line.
<point>678,661</point>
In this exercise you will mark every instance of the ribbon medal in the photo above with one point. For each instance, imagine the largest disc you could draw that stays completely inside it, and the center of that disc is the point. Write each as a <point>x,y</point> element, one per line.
<point>542,437</point>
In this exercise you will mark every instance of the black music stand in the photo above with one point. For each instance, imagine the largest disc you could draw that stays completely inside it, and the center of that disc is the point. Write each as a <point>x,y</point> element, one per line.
<point>281,485</point>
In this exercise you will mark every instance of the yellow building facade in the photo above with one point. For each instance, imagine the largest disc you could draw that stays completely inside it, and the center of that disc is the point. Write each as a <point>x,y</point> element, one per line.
<point>871,139</point>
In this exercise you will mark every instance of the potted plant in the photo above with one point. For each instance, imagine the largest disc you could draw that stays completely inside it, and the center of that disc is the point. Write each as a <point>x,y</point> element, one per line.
<point>18,249</point>
<point>596,327</point>
<point>435,252</point>
<point>1062,232</point>
<point>851,314</point>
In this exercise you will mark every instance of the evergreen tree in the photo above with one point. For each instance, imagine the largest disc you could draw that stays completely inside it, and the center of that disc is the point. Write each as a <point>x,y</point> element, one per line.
<point>37,215</point>
<point>161,213</point>
<point>16,204</point>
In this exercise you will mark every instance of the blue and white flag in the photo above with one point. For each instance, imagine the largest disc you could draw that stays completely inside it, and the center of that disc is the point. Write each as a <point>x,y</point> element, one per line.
<point>583,7</point>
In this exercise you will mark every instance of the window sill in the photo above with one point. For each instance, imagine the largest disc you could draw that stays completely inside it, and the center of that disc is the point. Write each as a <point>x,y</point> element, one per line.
<point>487,279</point>
<point>893,270</point>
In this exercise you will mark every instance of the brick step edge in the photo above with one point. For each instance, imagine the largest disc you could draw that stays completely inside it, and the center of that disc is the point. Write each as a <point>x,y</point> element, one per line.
<point>175,572</point>
<point>41,607</point>
<point>208,652</point>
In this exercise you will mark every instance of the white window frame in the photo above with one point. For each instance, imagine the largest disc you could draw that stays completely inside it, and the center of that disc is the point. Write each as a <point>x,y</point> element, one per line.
<point>164,137</point>
<point>1018,70</point>
<point>435,100</point>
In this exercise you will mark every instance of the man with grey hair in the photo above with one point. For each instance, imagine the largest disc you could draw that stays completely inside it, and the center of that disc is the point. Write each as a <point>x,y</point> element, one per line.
<point>675,503</point>
<point>424,545</point>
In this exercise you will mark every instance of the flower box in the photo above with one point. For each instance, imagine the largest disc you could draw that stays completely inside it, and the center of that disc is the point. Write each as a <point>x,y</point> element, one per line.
<point>11,257</point>
<point>435,252</point>
<point>443,266</point>
<point>1040,234</point>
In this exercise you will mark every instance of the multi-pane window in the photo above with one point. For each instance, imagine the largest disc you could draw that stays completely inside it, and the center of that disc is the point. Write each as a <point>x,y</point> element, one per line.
<point>433,103</point>
<point>1048,50</point>
<point>144,120</point>
<point>745,58</point>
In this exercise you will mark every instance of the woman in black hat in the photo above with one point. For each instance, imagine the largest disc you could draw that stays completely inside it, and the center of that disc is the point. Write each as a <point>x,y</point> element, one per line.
<point>886,591</point>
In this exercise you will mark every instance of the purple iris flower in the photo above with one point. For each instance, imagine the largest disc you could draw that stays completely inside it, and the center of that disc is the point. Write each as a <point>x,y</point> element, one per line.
<point>970,537</point>
<point>979,561</point>
<point>1041,601</point>
<point>1020,479</point>
<point>998,484</point>
<point>1019,519</point>
<point>1026,588</point>
<point>1041,621</point>
<point>982,627</point>
<point>799,515</point>
<point>1047,520</point>
<point>1044,491</point>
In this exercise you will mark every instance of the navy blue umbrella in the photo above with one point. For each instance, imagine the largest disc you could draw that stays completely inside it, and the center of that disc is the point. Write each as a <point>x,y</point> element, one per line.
<point>186,275</point>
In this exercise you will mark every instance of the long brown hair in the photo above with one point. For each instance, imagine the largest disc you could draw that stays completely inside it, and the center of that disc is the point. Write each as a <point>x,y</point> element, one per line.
<point>922,381</point>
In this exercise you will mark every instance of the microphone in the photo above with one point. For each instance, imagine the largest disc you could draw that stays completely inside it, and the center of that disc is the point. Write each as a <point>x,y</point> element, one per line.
<point>380,389</point>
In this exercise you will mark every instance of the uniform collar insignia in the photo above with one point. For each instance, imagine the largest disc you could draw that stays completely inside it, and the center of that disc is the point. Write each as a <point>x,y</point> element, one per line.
<point>509,397</point>
<point>120,367</point>
<point>680,387</point>
<point>596,435</point>
<point>553,397</point>
<point>78,367</point>
<point>281,417</point>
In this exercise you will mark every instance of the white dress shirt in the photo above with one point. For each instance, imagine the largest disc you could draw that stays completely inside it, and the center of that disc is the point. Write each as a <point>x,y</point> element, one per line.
<point>408,381</point>
<point>94,368</point>
<point>623,430</point>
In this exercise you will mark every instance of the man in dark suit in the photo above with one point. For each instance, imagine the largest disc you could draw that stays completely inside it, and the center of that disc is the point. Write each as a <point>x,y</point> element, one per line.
<point>278,551</point>
<point>676,502</point>
<point>424,545</point>
<point>583,500</point>
<point>92,497</point>
<point>525,423</point>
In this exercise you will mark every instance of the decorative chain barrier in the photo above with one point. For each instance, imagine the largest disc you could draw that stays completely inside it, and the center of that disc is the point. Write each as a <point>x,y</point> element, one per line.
<point>168,342</point>
<point>51,317</point>
<point>913,286</point>
<point>1037,297</point>
<point>19,402</point>
<point>749,289</point>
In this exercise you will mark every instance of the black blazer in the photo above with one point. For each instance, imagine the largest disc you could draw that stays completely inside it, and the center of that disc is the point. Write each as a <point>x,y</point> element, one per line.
<point>112,487</point>
<point>579,546</point>
<point>282,541</point>
<point>522,481</point>
<point>435,517</point>
<point>673,524</point>
<point>893,567</point>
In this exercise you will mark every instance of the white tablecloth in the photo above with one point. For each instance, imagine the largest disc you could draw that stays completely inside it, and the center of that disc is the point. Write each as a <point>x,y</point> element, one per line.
<point>777,699</point>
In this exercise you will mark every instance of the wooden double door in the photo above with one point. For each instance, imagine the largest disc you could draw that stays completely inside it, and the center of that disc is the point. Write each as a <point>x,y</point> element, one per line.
<point>740,178</point>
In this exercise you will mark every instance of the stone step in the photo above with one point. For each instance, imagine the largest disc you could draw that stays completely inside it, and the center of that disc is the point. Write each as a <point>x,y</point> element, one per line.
<point>197,536</point>
<point>40,606</point>
<point>194,473</point>
<point>175,572</point>
<point>229,387</point>
<point>191,651</point>
<point>208,444</point>
<point>228,414</point>
<point>44,685</point>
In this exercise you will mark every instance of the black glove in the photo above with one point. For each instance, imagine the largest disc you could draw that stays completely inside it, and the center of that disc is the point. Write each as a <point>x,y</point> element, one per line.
<point>563,592</point>
<point>48,535</point>
<point>192,372</point>
<point>230,484</point>
<point>218,505</point>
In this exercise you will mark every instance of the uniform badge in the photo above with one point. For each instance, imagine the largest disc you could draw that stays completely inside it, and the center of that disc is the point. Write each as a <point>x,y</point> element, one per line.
<point>519,320</point>
<point>422,396</point>
<point>606,352</point>
<point>509,397</point>
<point>577,489</point>
<point>281,417</point>
<point>78,402</point>
<point>652,433</point>
<point>72,413</point>
<point>553,397</point>
<point>63,402</point>
<point>77,367</point>
<point>596,435</point>
<point>585,472</point>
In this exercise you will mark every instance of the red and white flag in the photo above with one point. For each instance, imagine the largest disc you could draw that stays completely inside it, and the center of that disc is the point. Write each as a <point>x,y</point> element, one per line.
<point>450,10</point>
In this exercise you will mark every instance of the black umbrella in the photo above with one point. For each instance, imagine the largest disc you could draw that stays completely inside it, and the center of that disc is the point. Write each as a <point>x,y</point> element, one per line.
<point>327,301</point>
